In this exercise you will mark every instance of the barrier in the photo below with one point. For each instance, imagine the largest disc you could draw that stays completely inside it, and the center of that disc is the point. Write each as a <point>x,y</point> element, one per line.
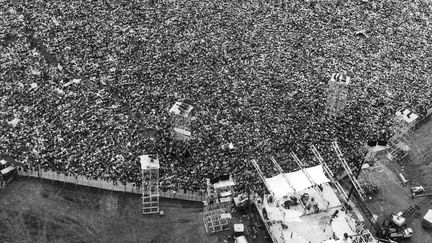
<point>107,185</point>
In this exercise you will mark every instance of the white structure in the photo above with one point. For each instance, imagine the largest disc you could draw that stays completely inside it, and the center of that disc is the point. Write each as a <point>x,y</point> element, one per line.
<point>374,152</point>
<point>427,219</point>
<point>220,191</point>
<point>150,183</point>
<point>317,223</point>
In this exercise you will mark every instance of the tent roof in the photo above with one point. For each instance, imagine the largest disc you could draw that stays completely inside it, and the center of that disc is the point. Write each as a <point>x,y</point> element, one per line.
<point>298,180</point>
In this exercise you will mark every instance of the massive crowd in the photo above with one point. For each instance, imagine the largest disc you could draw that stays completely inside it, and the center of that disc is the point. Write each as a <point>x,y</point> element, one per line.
<point>86,85</point>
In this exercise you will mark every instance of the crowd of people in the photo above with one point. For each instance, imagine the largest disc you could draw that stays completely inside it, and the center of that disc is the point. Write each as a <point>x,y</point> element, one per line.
<point>86,85</point>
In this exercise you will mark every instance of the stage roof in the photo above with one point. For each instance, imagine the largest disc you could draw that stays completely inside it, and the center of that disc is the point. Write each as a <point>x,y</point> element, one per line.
<point>147,162</point>
<point>298,180</point>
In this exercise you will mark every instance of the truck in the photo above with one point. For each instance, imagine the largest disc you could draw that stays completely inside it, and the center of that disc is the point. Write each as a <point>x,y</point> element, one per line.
<point>239,235</point>
<point>396,234</point>
<point>7,175</point>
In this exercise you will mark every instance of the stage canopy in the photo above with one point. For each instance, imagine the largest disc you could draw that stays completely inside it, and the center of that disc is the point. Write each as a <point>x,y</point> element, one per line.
<point>298,180</point>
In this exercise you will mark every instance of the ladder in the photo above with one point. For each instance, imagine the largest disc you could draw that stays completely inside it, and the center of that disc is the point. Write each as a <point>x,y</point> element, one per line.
<point>330,174</point>
<point>353,180</point>
<point>150,191</point>
<point>279,168</point>
<point>314,185</point>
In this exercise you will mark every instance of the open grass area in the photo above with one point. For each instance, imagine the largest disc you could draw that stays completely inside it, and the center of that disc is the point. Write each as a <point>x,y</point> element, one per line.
<point>394,196</point>
<point>39,211</point>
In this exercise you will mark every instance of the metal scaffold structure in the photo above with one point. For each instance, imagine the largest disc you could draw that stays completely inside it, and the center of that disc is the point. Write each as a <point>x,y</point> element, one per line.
<point>150,183</point>
<point>330,174</point>
<point>402,130</point>
<point>181,124</point>
<point>348,170</point>
<point>358,193</point>
<point>218,204</point>
<point>337,94</point>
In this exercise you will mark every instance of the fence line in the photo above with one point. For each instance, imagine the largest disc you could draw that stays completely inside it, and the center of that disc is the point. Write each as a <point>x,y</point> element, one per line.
<point>107,185</point>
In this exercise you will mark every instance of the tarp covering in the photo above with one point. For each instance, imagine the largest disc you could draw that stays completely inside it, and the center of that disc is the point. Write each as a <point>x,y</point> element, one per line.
<point>407,116</point>
<point>181,109</point>
<point>149,162</point>
<point>427,219</point>
<point>222,184</point>
<point>298,180</point>
<point>7,170</point>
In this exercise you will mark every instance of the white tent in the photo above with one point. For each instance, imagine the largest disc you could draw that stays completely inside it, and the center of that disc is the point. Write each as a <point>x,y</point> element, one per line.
<point>298,180</point>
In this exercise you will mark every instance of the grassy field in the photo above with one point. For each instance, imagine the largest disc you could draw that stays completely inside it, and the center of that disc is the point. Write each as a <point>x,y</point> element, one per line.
<point>393,196</point>
<point>39,211</point>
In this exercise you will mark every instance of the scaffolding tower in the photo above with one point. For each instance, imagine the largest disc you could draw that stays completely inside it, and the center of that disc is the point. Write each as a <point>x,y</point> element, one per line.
<point>150,183</point>
<point>218,205</point>
<point>348,170</point>
<point>402,130</point>
<point>337,94</point>
<point>358,192</point>
<point>181,124</point>
<point>217,217</point>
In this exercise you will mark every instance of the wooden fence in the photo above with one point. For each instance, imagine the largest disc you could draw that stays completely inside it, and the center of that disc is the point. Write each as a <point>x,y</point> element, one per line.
<point>107,185</point>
